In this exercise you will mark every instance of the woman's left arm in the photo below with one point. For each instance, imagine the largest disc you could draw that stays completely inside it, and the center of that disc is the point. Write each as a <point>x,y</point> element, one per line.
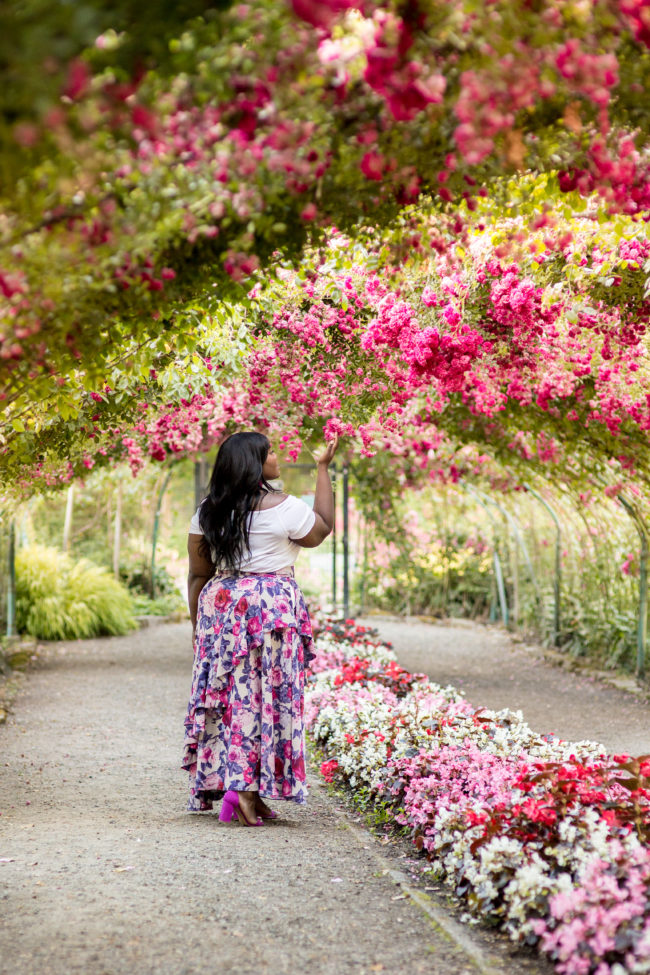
<point>201,571</point>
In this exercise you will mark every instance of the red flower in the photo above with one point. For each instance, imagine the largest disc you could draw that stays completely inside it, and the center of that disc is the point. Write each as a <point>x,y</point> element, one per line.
<point>222,599</point>
<point>241,606</point>
<point>328,769</point>
<point>78,79</point>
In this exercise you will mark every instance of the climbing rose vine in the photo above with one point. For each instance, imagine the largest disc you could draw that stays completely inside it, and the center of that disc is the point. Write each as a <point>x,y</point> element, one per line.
<point>524,350</point>
<point>136,188</point>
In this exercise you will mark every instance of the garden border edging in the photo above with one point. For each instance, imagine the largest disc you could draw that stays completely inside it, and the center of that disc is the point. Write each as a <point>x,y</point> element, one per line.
<point>439,918</point>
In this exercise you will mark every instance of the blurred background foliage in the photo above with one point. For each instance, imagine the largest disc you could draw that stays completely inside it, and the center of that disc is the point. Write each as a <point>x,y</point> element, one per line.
<point>432,553</point>
<point>79,565</point>
<point>425,550</point>
<point>39,39</point>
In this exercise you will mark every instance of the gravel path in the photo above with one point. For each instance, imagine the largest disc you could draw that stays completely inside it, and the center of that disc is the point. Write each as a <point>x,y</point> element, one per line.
<point>494,671</point>
<point>102,870</point>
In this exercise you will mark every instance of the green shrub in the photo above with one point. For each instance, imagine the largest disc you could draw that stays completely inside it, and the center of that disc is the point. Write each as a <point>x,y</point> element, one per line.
<point>135,573</point>
<point>446,580</point>
<point>609,637</point>
<point>172,604</point>
<point>59,599</point>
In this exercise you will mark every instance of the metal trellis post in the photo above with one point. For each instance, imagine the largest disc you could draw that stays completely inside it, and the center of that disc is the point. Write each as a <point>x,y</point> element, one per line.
<point>117,530</point>
<point>200,480</point>
<point>11,581</point>
<point>558,564</point>
<point>364,569</point>
<point>346,544</point>
<point>156,526</point>
<point>498,573</point>
<point>334,579</point>
<point>67,524</point>
<point>512,521</point>
<point>641,632</point>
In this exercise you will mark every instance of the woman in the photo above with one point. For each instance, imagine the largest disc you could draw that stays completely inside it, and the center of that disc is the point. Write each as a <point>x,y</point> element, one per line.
<point>244,732</point>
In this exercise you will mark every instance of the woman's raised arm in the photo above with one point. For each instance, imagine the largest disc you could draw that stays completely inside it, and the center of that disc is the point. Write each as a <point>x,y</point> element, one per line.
<point>323,500</point>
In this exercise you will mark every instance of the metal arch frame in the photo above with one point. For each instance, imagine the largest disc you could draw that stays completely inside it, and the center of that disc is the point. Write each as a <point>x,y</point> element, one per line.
<point>156,526</point>
<point>498,572</point>
<point>512,522</point>
<point>642,624</point>
<point>558,563</point>
<point>11,580</point>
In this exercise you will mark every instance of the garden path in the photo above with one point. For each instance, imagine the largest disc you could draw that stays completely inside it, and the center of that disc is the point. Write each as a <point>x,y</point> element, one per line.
<point>496,671</point>
<point>102,870</point>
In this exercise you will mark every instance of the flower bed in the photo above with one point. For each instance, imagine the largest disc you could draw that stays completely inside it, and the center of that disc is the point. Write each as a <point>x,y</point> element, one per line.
<point>546,838</point>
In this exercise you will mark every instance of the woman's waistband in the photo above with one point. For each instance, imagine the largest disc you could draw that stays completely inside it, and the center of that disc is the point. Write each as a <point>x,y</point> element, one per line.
<point>245,573</point>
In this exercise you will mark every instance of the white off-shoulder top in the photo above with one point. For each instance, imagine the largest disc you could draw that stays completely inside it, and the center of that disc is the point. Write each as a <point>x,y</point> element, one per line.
<point>271,532</point>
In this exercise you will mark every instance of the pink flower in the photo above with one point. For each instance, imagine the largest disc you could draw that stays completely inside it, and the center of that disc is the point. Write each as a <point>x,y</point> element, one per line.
<point>372,166</point>
<point>328,769</point>
<point>320,13</point>
<point>309,213</point>
<point>78,79</point>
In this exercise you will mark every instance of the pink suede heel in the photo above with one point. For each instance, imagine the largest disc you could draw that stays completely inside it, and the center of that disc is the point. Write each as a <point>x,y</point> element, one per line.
<point>230,807</point>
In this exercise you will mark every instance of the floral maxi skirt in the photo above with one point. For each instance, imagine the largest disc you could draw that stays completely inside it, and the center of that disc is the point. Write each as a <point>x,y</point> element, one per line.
<point>244,725</point>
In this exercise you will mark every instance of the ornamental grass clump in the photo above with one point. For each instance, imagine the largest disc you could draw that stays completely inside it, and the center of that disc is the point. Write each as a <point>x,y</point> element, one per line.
<point>60,599</point>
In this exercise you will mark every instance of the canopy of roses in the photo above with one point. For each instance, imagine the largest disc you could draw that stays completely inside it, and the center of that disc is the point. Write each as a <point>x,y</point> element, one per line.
<point>139,194</point>
<point>512,356</point>
<point>531,349</point>
<point>136,190</point>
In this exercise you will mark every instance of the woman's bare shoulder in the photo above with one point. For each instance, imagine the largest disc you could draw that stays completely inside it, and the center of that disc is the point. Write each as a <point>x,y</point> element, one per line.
<point>271,500</point>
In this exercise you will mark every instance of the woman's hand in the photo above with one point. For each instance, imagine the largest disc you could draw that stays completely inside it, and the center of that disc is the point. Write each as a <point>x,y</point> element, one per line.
<point>327,456</point>
<point>323,500</point>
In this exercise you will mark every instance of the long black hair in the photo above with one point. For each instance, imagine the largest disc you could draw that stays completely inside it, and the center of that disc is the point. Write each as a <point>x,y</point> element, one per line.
<point>235,486</point>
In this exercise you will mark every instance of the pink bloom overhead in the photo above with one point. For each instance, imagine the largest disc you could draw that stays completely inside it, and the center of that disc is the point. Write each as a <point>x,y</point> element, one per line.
<point>78,80</point>
<point>637,12</point>
<point>309,213</point>
<point>406,84</point>
<point>321,13</point>
<point>373,165</point>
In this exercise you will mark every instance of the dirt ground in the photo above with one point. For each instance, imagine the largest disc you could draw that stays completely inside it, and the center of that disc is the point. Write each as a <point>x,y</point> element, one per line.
<point>493,670</point>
